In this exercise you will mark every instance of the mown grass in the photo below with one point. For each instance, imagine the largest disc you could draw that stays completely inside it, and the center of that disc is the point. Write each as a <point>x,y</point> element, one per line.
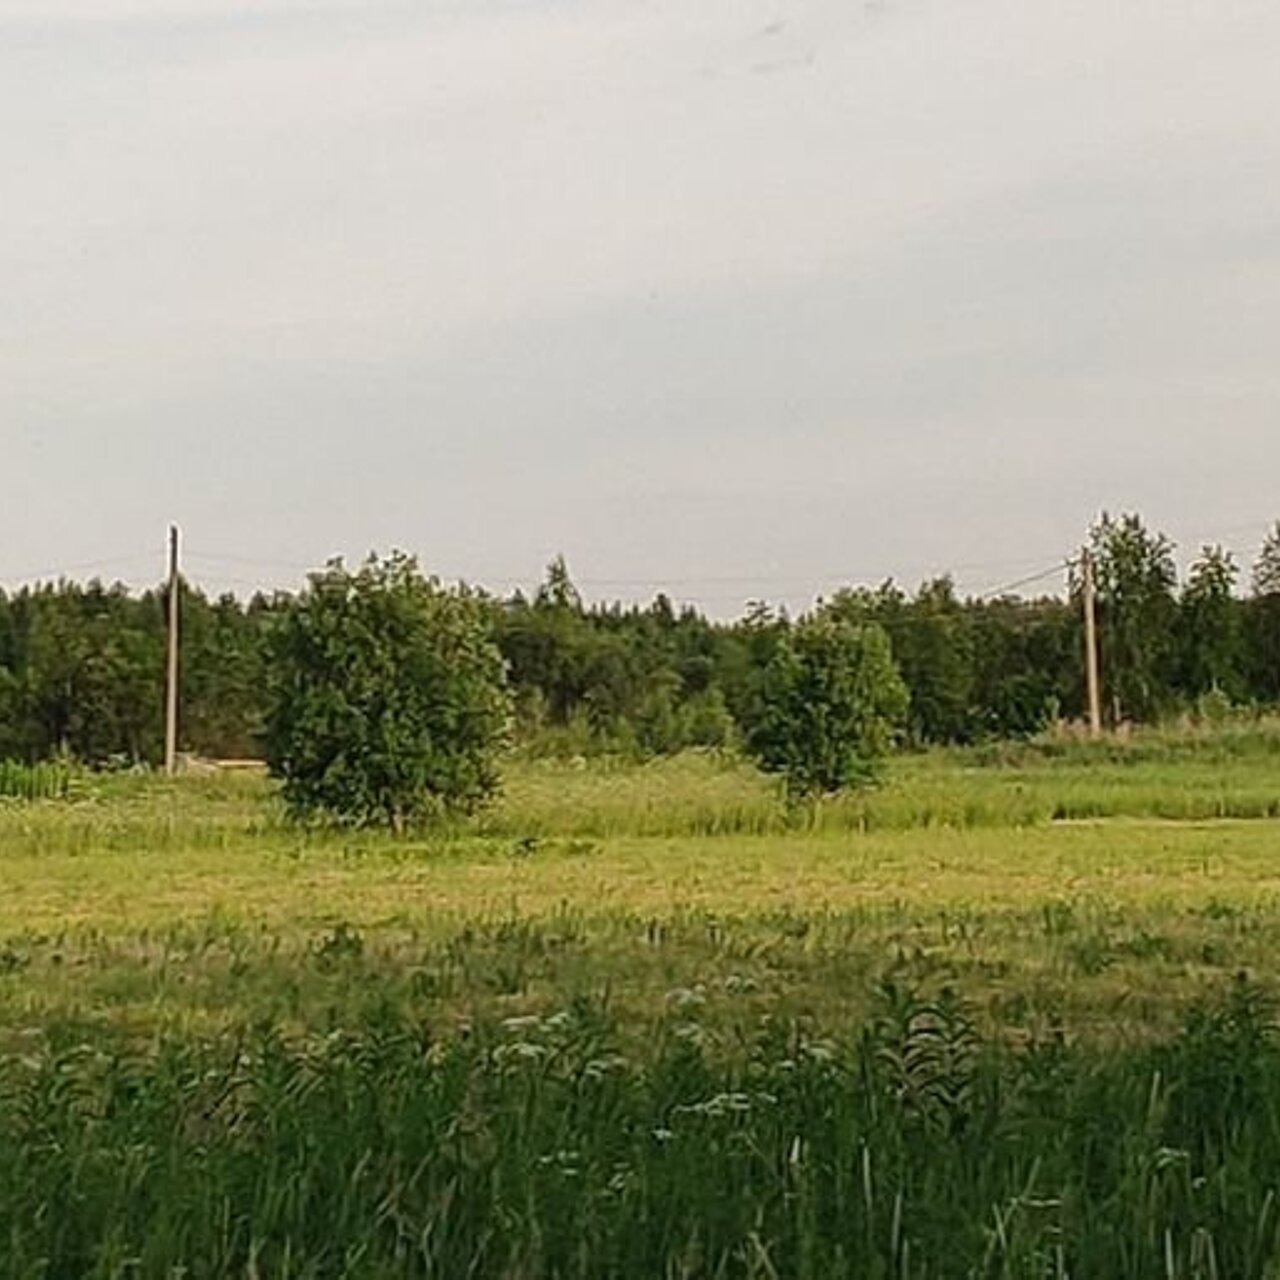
<point>151,902</point>
<point>643,1021</point>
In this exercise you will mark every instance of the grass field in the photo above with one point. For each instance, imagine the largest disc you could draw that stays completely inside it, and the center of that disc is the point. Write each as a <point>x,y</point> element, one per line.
<point>1007,1015</point>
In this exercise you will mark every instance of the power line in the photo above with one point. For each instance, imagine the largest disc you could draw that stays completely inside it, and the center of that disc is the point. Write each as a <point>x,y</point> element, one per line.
<point>83,566</point>
<point>805,579</point>
<point>1053,571</point>
<point>691,588</point>
<point>516,583</point>
<point>251,561</point>
<point>250,584</point>
<point>658,581</point>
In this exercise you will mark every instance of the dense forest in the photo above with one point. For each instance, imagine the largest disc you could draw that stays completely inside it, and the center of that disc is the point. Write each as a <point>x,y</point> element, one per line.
<point>82,665</point>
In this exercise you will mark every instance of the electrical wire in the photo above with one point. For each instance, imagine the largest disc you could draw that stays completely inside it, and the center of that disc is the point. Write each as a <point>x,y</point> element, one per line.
<point>996,592</point>
<point>210,557</point>
<point>658,582</point>
<point>686,589</point>
<point>84,566</point>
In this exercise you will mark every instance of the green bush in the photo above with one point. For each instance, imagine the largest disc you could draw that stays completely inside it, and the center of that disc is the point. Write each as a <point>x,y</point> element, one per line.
<point>832,701</point>
<point>390,701</point>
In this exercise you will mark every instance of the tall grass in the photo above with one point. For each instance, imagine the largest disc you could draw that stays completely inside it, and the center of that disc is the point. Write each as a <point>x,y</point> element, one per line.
<point>51,780</point>
<point>1170,774</point>
<point>688,797</point>
<point>710,794</point>
<point>1251,737</point>
<point>553,1147</point>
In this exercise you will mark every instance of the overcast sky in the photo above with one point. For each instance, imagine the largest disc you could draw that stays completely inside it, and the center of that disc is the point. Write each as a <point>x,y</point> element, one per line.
<point>739,298</point>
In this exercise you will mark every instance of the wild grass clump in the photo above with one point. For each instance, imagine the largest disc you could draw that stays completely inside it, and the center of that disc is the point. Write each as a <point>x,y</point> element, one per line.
<point>553,1146</point>
<point>46,780</point>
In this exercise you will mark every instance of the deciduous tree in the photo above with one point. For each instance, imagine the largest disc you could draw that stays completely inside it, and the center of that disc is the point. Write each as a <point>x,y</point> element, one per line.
<point>832,702</point>
<point>1211,627</point>
<point>390,698</point>
<point>1136,578</point>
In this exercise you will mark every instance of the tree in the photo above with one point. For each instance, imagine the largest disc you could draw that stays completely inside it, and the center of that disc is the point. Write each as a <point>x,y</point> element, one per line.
<point>12,716</point>
<point>1136,577</point>
<point>934,647</point>
<point>932,642</point>
<point>91,673</point>
<point>390,699</point>
<point>546,645</point>
<point>748,649</point>
<point>832,703</point>
<point>1263,620</point>
<point>558,591</point>
<point>1026,661</point>
<point>1266,569</point>
<point>1212,636</point>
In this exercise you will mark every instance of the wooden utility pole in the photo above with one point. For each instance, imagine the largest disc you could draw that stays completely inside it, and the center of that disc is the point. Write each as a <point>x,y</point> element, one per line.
<point>171,687</point>
<point>1089,591</point>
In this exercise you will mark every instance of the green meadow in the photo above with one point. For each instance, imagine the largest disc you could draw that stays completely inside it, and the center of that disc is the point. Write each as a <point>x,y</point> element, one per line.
<point>1007,1014</point>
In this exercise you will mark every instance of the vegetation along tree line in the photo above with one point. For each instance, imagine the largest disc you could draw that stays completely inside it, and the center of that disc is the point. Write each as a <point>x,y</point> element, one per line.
<point>817,698</point>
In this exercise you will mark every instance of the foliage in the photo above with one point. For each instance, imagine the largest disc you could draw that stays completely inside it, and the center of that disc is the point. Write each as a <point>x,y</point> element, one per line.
<point>82,673</point>
<point>635,681</point>
<point>1001,668</point>
<point>224,673</point>
<point>82,679</point>
<point>1262,622</point>
<point>82,666</point>
<point>390,699</point>
<point>832,702</point>
<point>1137,611</point>
<point>1026,659</point>
<point>934,647</point>
<point>1266,570</point>
<point>1211,630</point>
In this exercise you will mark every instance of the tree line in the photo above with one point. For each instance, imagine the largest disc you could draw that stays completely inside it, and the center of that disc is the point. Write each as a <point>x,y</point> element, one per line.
<point>82,665</point>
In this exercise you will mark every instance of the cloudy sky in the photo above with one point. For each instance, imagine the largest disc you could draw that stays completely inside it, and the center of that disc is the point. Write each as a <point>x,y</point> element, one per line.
<point>735,298</point>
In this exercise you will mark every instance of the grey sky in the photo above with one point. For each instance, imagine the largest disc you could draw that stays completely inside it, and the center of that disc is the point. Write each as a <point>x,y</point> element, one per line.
<point>735,297</point>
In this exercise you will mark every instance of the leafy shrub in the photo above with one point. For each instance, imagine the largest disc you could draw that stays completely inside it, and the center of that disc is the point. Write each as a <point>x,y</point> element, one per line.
<point>832,702</point>
<point>390,700</point>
